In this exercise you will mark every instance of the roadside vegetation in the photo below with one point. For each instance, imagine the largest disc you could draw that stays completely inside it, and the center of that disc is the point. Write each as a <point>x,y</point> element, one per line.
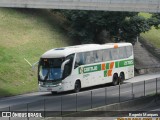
<point>28,33</point>
<point>87,26</point>
<point>25,34</point>
<point>153,35</point>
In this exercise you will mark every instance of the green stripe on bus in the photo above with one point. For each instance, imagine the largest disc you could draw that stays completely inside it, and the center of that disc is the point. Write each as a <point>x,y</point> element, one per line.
<point>95,68</point>
<point>107,65</point>
<point>88,69</point>
<point>105,73</point>
<point>116,64</point>
<point>125,63</point>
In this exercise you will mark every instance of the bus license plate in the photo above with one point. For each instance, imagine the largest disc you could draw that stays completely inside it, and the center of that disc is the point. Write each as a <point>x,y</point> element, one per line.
<point>49,89</point>
<point>49,84</point>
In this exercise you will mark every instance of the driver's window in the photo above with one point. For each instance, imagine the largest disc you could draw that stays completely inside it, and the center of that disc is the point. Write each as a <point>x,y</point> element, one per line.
<point>80,60</point>
<point>68,66</point>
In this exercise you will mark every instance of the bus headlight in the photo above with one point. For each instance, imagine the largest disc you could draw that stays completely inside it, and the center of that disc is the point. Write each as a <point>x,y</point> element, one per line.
<point>60,84</point>
<point>40,83</point>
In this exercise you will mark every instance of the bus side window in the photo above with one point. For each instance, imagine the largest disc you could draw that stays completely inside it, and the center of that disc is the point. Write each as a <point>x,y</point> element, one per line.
<point>114,53</point>
<point>99,56</point>
<point>87,58</point>
<point>79,60</point>
<point>129,51</point>
<point>106,55</point>
<point>93,57</point>
<point>122,53</point>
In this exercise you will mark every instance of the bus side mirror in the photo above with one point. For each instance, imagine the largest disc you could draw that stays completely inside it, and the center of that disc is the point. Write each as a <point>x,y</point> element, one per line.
<point>76,65</point>
<point>63,64</point>
<point>33,66</point>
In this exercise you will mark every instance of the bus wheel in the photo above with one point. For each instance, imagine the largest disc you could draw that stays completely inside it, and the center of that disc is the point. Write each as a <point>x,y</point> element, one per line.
<point>115,79</point>
<point>77,86</point>
<point>121,77</point>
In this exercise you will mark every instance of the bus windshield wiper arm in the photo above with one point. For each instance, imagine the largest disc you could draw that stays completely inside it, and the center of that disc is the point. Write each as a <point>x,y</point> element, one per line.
<point>45,78</point>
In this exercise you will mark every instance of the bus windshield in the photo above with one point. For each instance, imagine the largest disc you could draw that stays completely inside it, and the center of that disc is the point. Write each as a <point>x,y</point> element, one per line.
<point>50,69</point>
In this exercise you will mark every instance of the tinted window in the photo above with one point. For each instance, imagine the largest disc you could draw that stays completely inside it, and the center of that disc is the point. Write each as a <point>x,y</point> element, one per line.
<point>99,56</point>
<point>106,55</point>
<point>79,59</point>
<point>129,51</point>
<point>50,68</point>
<point>122,52</point>
<point>102,55</point>
<point>87,56</point>
<point>114,53</point>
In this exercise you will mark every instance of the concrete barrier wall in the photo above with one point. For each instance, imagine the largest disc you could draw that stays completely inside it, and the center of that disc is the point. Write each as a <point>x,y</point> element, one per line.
<point>107,5</point>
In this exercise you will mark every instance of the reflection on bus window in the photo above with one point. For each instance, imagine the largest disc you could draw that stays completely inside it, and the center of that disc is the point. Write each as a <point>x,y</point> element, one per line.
<point>96,56</point>
<point>122,53</point>
<point>129,50</point>
<point>106,55</point>
<point>50,69</point>
<point>99,56</point>
<point>114,53</point>
<point>79,59</point>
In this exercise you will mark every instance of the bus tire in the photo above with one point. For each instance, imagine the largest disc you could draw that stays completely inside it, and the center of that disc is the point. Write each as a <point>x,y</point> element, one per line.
<point>115,79</point>
<point>121,77</point>
<point>77,86</point>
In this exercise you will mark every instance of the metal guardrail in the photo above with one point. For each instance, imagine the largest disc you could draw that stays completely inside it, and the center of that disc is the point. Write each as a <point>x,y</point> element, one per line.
<point>61,105</point>
<point>147,66</point>
<point>106,5</point>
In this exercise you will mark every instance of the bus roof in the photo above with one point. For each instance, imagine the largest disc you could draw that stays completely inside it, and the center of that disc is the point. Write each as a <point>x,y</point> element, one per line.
<point>65,51</point>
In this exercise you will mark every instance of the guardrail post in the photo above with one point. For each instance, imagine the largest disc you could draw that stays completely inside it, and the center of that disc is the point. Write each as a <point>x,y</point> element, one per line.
<point>144,88</point>
<point>91,99</point>
<point>119,94</point>
<point>105,96</point>
<point>9,111</point>
<point>76,102</point>
<point>156,87</point>
<point>27,112</point>
<point>61,105</point>
<point>132,92</point>
<point>44,108</point>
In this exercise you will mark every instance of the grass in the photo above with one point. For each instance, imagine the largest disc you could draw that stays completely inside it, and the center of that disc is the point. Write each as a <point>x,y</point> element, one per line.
<point>25,34</point>
<point>152,36</point>
<point>146,15</point>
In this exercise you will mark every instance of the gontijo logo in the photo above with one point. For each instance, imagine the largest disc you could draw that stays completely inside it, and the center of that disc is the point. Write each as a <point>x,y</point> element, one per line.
<point>80,70</point>
<point>88,69</point>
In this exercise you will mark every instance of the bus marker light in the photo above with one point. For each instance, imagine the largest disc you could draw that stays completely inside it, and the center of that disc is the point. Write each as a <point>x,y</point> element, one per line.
<point>115,45</point>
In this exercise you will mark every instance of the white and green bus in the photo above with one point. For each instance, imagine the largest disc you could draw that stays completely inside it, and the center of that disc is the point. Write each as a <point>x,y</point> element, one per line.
<point>76,67</point>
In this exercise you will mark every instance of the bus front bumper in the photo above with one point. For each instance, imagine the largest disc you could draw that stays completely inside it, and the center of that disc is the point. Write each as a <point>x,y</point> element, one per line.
<point>48,88</point>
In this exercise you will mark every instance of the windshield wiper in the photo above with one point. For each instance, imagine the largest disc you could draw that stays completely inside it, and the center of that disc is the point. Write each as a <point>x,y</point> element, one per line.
<point>46,77</point>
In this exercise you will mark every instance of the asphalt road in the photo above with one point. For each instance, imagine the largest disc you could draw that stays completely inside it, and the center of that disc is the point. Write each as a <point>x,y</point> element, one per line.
<point>86,99</point>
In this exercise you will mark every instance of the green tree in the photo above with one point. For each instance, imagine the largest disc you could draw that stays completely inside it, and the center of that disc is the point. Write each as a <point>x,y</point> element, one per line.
<point>86,26</point>
<point>155,20</point>
<point>133,26</point>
